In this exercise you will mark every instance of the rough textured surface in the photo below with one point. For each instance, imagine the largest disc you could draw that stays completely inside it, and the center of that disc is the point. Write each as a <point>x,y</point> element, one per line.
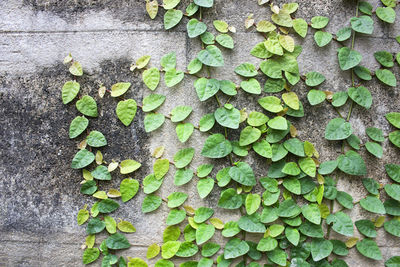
<point>40,193</point>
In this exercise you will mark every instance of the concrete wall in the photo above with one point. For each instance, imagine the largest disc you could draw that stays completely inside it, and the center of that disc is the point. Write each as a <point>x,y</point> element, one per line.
<point>39,193</point>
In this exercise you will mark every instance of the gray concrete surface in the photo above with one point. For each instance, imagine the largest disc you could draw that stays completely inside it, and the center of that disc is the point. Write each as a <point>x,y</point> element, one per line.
<point>39,193</point>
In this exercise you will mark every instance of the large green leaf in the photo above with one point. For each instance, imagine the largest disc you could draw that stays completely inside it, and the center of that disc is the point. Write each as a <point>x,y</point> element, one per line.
<point>235,248</point>
<point>392,227</point>
<point>126,111</point>
<point>211,56</point>
<point>386,14</point>
<point>252,86</point>
<point>87,106</point>
<point>229,199</point>
<point>169,249</point>
<point>82,159</point>
<point>69,91</point>
<point>320,248</point>
<point>195,28</point>
<point>342,223</point>
<point>338,129</point>
<point>372,204</point>
<point>128,188</point>
<point>362,24</point>
<point>243,174</point>
<point>386,76</point>
<point>361,96</point>
<point>300,26</point>
<point>348,58</point>
<point>216,146</point>
<point>352,163</point>
<point>227,116</point>
<point>117,241</point>
<point>206,88</point>
<point>368,248</point>
<point>366,227</point>
<point>393,171</point>
<point>171,18</point>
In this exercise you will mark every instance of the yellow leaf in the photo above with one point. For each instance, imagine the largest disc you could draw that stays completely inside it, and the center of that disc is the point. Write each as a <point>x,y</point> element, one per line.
<point>379,221</point>
<point>351,242</point>
<point>112,166</point>
<point>292,100</point>
<point>189,209</point>
<point>249,21</point>
<point>287,42</point>
<point>152,251</point>
<point>243,115</point>
<point>293,131</point>
<point>87,175</point>
<point>192,223</point>
<point>324,210</point>
<point>126,227</point>
<point>217,223</point>
<point>82,144</point>
<point>320,179</point>
<point>102,91</point>
<point>142,62</point>
<point>265,26</point>
<point>99,157</point>
<point>100,195</point>
<point>152,8</point>
<point>113,193</point>
<point>158,152</point>
<point>90,239</point>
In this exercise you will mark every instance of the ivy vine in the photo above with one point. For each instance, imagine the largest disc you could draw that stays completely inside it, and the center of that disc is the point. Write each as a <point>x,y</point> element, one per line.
<point>294,215</point>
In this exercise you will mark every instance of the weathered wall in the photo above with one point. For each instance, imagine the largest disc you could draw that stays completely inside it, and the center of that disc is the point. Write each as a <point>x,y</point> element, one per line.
<point>39,193</point>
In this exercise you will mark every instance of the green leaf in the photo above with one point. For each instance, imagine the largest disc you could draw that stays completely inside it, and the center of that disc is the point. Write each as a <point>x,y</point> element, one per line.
<point>386,76</point>
<point>354,141</point>
<point>311,230</point>
<point>342,223</point>
<point>205,186</point>
<point>211,56</point>
<point>343,34</point>
<point>204,170</point>
<point>300,26</point>
<point>252,86</point>
<point>78,126</point>
<point>96,139</point>
<point>69,91</point>
<point>291,100</point>
<point>169,249</point>
<point>172,77</point>
<point>209,249</point>
<point>319,22</point>
<point>322,38</point>
<point>371,185</point>
<point>225,40</point>
<point>365,7</point>
<point>361,96</point>
<point>204,3</point>
<point>153,121</point>
<point>180,113</point>
<point>151,203</point>
<point>175,216</point>
<point>207,38</point>
<point>374,148</point>
<point>87,106</point>
<point>372,204</point>
<point>183,157</point>
<point>111,225</point>
<point>392,227</point>
<point>316,97</point>
<point>344,199</point>
<point>292,169</point>
<point>243,174</point>
<point>202,214</point>
<point>366,227</point>
<point>142,61</point>
<point>89,187</point>
<point>229,199</point>
<point>277,256</point>
<point>101,173</point>
<point>82,159</point>
<point>129,165</point>
<point>126,111</point>
<point>267,244</point>
<point>393,190</point>
<point>348,58</point>
<point>235,248</point>
<point>260,51</point>
<point>386,14</point>
<point>195,28</point>
<point>288,208</point>
<point>246,70</point>
<point>221,26</point>
<point>375,134</point>
<point>206,88</point>
<point>286,42</point>
<point>393,262</point>
<point>271,104</point>
<point>362,24</point>
<point>327,167</point>
<point>168,61</point>
<point>394,137</point>
<point>271,68</point>
<point>228,87</point>
<point>338,129</point>
<point>228,117</point>
<point>95,226</point>
<point>216,146</point>
<point>160,168</point>
<point>204,232</point>
<point>183,176</point>
<point>187,249</point>
<point>171,233</point>
<point>390,3</point>
<point>171,18</point>
<point>352,163</point>
<point>169,4</point>
<point>393,171</point>
<point>252,203</point>
<point>392,207</point>
<point>90,255</point>
<point>128,188</point>
<point>311,213</point>
<point>107,206</point>
<point>76,69</point>
<point>384,58</point>
<point>83,216</point>
<point>368,248</point>
<point>282,19</point>
<point>320,248</point>
<point>184,131</point>
<point>293,235</point>
<point>257,119</point>
<point>249,135</point>
<point>119,89</point>
<point>265,26</point>
<point>194,66</point>
<point>314,78</point>
<point>273,46</point>
<point>152,102</point>
<point>308,166</point>
<point>151,184</point>
<point>278,123</point>
<point>339,98</point>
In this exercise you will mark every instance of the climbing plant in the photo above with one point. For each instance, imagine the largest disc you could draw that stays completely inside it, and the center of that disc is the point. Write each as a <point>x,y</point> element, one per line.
<point>290,208</point>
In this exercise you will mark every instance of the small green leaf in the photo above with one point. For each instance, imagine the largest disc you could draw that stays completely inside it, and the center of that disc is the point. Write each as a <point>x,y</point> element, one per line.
<point>101,173</point>
<point>235,248</point>
<point>204,232</point>
<point>172,77</point>
<point>322,38</point>
<point>171,18</point>
<point>119,89</point>
<point>362,24</point>
<point>386,76</point>
<point>211,56</point>
<point>152,251</point>
<point>128,188</point>
<point>384,58</point>
<point>371,185</point>
<point>278,123</point>
<point>361,96</point>
<point>319,22</point>
<point>184,131</point>
<point>151,78</point>
<point>393,171</point>
<point>205,186</point>
<point>366,227</point>
<point>392,227</point>
<point>342,223</point>
<point>82,159</point>
<point>225,40</point>
<point>316,97</point>
<point>249,135</point>
<point>96,139</point>
<point>69,91</point>
<point>90,255</point>
<point>221,26</point>
<point>393,118</point>
<point>87,106</point>
<point>175,216</point>
<point>339,98</point>
<point>344,199</point>
<point>372,204</point>
<point>314,78</point>
<point>271,104</point>
<point>206,88</point>
<point>343,34</point>
<point>300,26</point>
<point>252,86</point>
<point>338,129</point>
<point>216,146</point>
<point>229,199</point>
<point>348,58</point>
<point>375,134</point>
<point>95,226</point>
<point>252,203</point>
<point>375,149</point>
<point>183,176</point>
<point>227,117</point>
<point>246,70</point>
<point>195,28</point>
<point>386,14</point>
<point>153,121</point>
<point>76,69</point>
<point>107,206</point>
<point>320,249</point>
<point>194,66</point>
<point>202,214</point>
<point>393,191</point>
<point>393,262</point>
<point>78,126</point>
<point>151,203</point>
<point>311,213</point>
<point>204,3</point>
<point>243,174</point>
<point>129,165</point>
<point>282,19</point>
<point>169,249</point>
<point>365,7</point>
<point>126,111</point>
<point>352,163</point>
